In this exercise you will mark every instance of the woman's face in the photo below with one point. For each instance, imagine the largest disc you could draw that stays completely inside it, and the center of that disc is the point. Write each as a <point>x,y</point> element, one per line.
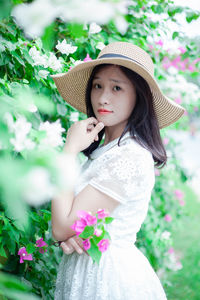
<point>113,91</point>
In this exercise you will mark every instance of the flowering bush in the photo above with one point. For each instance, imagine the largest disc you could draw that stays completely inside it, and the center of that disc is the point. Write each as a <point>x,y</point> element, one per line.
<point>34,120</point>
<point>91,229</point>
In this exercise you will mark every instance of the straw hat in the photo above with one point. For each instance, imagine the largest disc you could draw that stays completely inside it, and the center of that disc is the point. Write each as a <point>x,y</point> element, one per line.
<point>72,85</point>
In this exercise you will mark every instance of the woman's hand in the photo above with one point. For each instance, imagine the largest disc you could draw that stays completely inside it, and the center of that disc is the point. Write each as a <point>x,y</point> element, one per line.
<point>74,243</point>
<point>82,134</point>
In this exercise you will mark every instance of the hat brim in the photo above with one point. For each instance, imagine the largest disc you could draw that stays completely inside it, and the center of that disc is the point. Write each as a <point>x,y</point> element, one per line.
<point>72,87</point>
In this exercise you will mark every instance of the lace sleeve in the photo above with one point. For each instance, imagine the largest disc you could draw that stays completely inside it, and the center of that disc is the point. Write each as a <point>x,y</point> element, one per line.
<point>125,173</point>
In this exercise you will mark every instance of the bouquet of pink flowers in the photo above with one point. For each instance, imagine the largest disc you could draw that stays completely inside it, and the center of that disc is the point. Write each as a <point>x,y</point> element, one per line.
<point>91,229</point>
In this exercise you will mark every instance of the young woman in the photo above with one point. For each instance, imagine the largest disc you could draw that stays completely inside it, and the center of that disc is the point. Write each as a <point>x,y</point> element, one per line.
<point>125,105</point>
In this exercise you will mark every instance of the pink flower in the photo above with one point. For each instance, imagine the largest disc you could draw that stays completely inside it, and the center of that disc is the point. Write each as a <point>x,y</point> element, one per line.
<point>182,50</point>
<point>191,68</point>
<point>185,113</point>
<point>102,213</point>
<point>103,245</point>
<point>181,202</point>
<point>98,232</point>
<point>87,58</point>
<point>196,60</point>
<point>24,255</point>
<point>196,108</point>
<point>179,194</point>
<point>79,226</point>
<point>86,244</point>
<point>168,218</point>
<point>171,250</point>
<point>41,243</point>
<point>90,220</point>
<point>165,141</point>
<point>150,47</point>
<point>178,100</point>
<point>157,172</point>
<point>160,43</point>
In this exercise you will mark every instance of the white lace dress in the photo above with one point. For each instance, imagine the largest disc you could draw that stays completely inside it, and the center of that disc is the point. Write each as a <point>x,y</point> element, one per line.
<point>125,173</point>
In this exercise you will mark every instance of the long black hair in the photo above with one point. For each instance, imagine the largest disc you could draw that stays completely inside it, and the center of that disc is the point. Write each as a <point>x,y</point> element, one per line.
<point>142,123</point>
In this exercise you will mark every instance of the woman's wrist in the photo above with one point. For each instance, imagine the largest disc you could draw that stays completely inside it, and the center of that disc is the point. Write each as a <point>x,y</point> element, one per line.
<point>70,149</point>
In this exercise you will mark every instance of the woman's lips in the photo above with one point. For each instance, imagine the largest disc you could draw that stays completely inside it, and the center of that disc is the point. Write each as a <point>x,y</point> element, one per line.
<point>104,112</point>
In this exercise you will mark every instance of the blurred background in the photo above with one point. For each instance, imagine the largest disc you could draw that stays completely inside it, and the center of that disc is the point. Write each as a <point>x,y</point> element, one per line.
<point>43,37</point>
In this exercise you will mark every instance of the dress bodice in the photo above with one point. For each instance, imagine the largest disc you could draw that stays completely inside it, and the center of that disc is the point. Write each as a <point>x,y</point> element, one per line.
<point>125,173</point>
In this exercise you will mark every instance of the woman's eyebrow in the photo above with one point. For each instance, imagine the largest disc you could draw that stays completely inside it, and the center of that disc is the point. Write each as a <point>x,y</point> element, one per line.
<point>111,79</point>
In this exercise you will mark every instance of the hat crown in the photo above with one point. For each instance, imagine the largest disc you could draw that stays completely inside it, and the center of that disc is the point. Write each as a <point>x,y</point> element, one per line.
<point>131,52</point>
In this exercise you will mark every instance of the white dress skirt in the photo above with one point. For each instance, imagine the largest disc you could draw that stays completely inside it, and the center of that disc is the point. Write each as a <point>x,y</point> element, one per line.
<point>125,173</point>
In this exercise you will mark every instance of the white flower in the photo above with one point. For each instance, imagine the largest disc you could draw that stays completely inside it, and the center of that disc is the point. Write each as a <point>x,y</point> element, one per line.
<point>35,16</point>
<point>21,143</point>
<point>65,48</point>
<point>100,45</point>
<point>87,11</point>
<point>38,188</point>
<point>94,28</point>
<point>54,63</point>
<point>121,24</point>
<point>166,235</point>
<point>32,107</point>
<point>68,170</point>
<point>20,128</point>
<point>43,73</point>
<point>75,62</point>
<point>53,134</point>
<point>39,60</point>
<point>74,116</point>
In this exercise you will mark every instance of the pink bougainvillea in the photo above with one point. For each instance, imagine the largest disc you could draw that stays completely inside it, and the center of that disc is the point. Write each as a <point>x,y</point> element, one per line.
<point>24,255</point>
<point>168,218</point>
<point>87,58</point>
<point>88,217</point>
<point>41,243</point>
<point>79,226</point>
<point>103,245</point>
<point>86,244</point>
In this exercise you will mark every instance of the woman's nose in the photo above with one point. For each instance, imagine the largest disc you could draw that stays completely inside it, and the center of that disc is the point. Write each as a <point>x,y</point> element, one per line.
<point>104,97</point>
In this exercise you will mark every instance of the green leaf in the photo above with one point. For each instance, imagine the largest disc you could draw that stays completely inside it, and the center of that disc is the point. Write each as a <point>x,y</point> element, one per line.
<point>48,38</point>
<point>46,214</point>
<point>107,235</point>
<point>30,248</point>
<point>174,35</point>
<point>87,232</point>
<point>108,220</point>
<point>26,55</point>
<point>18,58</point>
<point>76,30</point>
<point>192,16</point>
<point>2,251</point>
<point>5,8</point>
<point>94,252</point>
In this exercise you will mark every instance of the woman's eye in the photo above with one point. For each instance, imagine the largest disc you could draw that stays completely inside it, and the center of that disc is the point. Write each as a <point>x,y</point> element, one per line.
<point>117,88</point>
<point>96,86</point>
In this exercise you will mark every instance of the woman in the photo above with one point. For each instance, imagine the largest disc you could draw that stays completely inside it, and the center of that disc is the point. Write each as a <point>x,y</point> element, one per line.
<point>125,104</point>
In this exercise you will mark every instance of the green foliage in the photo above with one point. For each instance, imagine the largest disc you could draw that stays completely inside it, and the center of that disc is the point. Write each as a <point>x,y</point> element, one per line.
<point>87,232</point>
<point>22,86</point>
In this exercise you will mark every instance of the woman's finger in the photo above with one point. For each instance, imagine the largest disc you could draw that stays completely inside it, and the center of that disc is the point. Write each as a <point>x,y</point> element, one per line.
<point>67,248</point>
<point>91,120</point>
<point>75,245</point>
<point>94,132</point>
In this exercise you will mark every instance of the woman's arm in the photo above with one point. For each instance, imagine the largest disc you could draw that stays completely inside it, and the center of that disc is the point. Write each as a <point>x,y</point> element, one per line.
<point>64,206</point>
<point>89,199</point>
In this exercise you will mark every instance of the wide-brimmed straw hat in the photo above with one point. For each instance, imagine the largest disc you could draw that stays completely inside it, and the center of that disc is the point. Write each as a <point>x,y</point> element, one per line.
<point>72,85</point>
